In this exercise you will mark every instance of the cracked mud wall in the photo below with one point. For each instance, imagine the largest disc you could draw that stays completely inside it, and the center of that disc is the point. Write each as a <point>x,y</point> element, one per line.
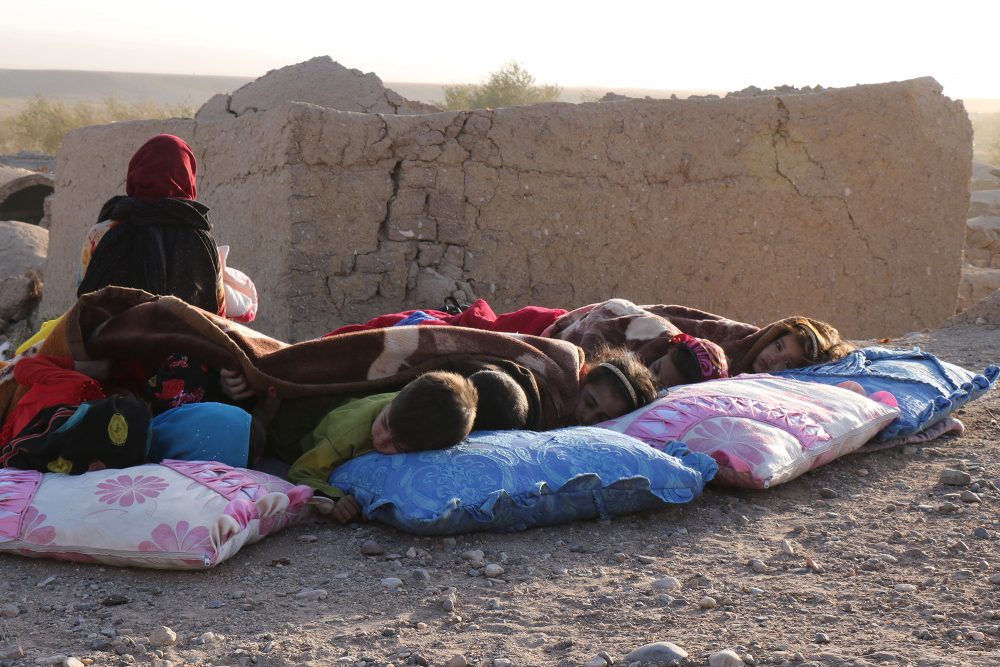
<point>847,205</point>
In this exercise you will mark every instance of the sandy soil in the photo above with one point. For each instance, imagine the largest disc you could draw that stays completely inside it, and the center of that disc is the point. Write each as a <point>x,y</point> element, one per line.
<point>900,581</point>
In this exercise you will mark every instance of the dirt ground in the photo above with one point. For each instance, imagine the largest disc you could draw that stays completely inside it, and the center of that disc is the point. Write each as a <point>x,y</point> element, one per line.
<point>899,579</point>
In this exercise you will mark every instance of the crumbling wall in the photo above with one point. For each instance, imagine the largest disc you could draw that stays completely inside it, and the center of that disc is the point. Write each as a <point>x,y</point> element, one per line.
<point>846,204</point>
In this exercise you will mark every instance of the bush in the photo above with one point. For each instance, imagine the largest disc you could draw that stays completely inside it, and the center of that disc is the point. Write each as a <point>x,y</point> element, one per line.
<point>511,85</point>
<point>43,123</point>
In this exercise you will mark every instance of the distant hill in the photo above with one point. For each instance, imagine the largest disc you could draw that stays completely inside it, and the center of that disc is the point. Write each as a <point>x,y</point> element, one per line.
<point>127,86</point>
<point>71,85</point>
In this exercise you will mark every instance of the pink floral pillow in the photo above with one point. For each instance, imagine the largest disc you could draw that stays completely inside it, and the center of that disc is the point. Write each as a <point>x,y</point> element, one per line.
<point>174,515</point>
<point>762,430</point>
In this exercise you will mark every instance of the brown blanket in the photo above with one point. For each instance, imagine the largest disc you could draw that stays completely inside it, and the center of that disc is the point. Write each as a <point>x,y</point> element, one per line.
<point>646,330</point>
<point>119,323</point>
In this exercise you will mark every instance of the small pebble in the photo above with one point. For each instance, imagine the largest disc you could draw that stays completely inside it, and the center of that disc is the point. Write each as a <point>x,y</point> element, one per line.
<point>307,538</point>
<point>954,477</point>
<point>372,548</point>
<point>822,638</point>
<point>758,566</point>
<point>162,636</point>
<point>708,602</point>
<point>727,658</point>
<point>474,555</point>
<point>981,533</point>
<point>9,611</point>
<point>665,652</point>
<point>312,594</point>
<point>72,662</point>
<point>392,583</point>
<point>828,493</point>
<point>457,661</point>
<point>596,661</point>
<point>493,570</point>
<point>970,497</point>
<point>666,584</point>
<point>502,662</point>
<point>787,548</point>
<point>905,588</point>
<point>995,579</point>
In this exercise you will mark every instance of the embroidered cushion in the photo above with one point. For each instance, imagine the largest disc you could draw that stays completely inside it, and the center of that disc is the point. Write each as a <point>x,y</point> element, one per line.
<point>174,515</point>
<point>761,430</point>
<point>926,388</point>
<point>513,480</point>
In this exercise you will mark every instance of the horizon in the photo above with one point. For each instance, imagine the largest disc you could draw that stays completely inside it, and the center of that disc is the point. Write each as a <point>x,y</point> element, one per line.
<point>726,46</point>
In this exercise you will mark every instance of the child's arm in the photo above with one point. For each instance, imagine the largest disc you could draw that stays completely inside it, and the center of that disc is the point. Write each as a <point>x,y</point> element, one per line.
<point>344,433</point>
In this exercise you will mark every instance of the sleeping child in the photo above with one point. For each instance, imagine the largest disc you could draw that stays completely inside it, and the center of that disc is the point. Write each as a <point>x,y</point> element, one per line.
<point>434,411</point>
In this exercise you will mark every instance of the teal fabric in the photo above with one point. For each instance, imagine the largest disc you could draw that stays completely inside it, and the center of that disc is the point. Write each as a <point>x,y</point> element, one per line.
<point>514,480</point>
<point>926,388</point>
<point>202,432</point>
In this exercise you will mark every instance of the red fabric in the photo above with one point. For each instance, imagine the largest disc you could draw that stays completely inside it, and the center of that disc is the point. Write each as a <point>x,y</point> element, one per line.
<point>163,167</point>
<point>529,320</point>
<point>383,321</point>
<point>50,381</point>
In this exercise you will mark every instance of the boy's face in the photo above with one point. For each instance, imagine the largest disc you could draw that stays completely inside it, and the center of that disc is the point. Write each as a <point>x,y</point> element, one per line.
<point>382,439</point>
<point>782,353</point>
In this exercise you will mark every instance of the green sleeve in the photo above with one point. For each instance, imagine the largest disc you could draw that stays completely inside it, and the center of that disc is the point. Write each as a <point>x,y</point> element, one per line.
<point>344,433</point>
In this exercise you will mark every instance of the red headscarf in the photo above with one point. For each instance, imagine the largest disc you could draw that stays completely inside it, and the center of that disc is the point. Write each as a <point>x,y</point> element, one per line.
<point>163,167</point>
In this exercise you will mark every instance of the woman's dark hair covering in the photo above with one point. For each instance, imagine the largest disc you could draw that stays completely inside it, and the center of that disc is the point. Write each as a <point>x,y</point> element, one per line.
<point>164,244</point>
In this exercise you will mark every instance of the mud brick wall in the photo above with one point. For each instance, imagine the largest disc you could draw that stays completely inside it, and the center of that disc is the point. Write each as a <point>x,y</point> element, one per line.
<point>847,205</point>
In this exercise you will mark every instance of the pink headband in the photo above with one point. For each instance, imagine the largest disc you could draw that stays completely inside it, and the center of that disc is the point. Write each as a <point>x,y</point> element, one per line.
<point>711,365</point>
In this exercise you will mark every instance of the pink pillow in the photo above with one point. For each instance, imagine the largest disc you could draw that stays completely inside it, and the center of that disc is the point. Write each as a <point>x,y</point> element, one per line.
<point>762,430</point>
<point>172,515</point>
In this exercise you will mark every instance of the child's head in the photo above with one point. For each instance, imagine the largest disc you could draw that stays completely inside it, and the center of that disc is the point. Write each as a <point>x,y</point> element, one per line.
<point>434,411</point>
<point>615,383</point>
<point>502,402</point>
<point>689,360</point>
<point>800,341</point>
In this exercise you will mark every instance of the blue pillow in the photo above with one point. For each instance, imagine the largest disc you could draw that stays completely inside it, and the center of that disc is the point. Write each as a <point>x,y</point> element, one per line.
<point>513,480</point>
<point>927,388</point>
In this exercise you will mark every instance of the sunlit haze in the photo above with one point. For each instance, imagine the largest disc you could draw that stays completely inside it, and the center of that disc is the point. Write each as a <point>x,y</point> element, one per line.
<point>719,46</point>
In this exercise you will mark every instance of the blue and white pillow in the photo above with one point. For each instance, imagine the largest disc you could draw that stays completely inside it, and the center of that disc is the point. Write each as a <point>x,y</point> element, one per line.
<point>513,480</point>
<point>927,388</point>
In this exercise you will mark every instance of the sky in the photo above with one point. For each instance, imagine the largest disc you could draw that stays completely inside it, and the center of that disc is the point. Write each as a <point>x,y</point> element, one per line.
<point>704,45</point>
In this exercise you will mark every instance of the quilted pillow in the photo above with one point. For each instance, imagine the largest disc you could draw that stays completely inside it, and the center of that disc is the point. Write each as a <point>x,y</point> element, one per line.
<point>173,515</point>
<point>762,430</point>
<point>513,480</point>
<point>926,388</point>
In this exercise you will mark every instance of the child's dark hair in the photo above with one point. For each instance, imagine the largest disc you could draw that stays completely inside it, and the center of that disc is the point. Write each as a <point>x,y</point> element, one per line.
<point>686,363</point>
<point>434,411</point>
<point>622,370</point>
<point>502,402</point>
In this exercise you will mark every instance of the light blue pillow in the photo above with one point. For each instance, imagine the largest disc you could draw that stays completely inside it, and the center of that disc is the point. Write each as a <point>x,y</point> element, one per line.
<point>514,480</point>
<point>927,388</point>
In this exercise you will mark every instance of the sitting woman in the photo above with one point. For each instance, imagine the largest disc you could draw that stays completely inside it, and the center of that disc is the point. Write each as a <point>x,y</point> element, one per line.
<point>157,237</point>
<point>648,331</point>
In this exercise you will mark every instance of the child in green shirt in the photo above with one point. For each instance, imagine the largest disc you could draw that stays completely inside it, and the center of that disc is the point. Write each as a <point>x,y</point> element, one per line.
<point>434,411</point>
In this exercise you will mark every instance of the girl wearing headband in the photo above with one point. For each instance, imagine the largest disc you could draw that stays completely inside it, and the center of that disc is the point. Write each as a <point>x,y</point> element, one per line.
<point>614,383</point>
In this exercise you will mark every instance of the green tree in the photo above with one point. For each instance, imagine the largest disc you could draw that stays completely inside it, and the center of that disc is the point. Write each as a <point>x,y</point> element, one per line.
<point>511,85</point>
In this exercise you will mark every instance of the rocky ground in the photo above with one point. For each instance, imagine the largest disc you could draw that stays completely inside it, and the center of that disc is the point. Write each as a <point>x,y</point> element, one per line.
<point>871,560</point>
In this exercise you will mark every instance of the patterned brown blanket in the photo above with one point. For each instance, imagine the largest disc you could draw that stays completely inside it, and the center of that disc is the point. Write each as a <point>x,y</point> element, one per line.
<point>646,330</point>
<point>119,323</point>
